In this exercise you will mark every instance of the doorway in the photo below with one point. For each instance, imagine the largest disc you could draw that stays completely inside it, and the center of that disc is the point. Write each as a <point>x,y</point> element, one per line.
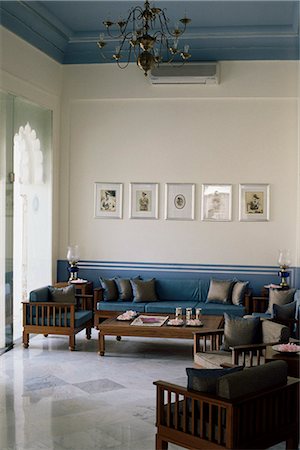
<point>26,261</point>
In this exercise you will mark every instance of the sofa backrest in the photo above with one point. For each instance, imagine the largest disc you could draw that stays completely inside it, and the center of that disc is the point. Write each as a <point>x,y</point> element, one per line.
<point>40,295</point>
<point>252,380</point>
<point>177,289</point>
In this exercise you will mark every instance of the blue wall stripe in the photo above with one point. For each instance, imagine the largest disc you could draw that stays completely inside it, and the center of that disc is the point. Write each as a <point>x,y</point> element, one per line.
<point>258,276</point>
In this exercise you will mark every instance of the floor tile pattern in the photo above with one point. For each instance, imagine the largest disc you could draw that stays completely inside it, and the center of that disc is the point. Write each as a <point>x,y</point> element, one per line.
<point>54,399</point>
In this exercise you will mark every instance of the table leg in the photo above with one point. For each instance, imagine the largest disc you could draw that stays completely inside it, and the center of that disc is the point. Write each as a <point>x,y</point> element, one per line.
<point>101,339</point>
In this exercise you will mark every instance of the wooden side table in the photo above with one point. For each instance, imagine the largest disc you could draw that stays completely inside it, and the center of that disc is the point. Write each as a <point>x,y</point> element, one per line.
<point>292,360</point>
<point>260,304</point>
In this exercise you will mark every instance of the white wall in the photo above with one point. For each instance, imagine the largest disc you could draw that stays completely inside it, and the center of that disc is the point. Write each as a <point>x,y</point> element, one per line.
<point>116,127</point>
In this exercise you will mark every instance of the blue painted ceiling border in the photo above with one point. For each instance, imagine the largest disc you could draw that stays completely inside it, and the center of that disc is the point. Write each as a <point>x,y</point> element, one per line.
<point>36,24</point>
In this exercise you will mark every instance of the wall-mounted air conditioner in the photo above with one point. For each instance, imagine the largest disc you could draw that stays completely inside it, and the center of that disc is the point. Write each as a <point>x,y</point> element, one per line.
<point>189,73</point>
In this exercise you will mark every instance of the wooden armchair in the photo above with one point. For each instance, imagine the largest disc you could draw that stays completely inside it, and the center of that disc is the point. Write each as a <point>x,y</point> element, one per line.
<point>43,316</point>
<point>256,420</point>
<point>208,351</point>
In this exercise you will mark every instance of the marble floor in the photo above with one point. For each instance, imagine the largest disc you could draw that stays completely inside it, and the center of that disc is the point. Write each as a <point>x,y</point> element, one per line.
<point>51,398</point>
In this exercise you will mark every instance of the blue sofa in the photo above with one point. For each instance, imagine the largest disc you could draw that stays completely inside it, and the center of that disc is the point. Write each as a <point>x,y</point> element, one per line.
<point>173,293</point>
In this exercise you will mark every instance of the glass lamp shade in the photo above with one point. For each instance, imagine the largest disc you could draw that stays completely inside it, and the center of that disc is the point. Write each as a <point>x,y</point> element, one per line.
<point>73,254</point>
<point>284,258</point>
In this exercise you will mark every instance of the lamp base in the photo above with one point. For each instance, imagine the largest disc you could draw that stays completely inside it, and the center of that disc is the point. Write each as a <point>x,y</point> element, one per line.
<point>73,270</point>
<point>284,274</point>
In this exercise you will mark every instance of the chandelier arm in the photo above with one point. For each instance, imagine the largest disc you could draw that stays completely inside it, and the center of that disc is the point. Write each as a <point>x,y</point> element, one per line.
<point>122,45</point>
<point>123,67</point>
<point>166,20</point>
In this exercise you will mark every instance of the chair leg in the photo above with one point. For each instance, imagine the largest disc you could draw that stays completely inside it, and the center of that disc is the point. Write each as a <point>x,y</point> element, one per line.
<point>46,335</point>
<point>118,338</point>
<point>88,332</point>
<point>25,339</point>
<point>292,442</point>
<point>72,342</point>
<point>160,444</point>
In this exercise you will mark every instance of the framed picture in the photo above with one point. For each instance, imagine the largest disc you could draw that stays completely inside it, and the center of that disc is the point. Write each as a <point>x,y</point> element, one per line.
<point>143,199</point>
<point>180,201</point>
<point>108,200</point>
<point>216,202</point>
<point>254,202</point>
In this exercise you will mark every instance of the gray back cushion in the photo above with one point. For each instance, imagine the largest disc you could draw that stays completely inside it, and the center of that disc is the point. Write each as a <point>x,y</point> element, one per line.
<point>63,295</point>
<point>144,290</point>
<point>125,288</point>
<point>40,295</point>
<point>252,380</point>
<point>241,331</point>
<point>205,380</point>
<point>285,312</point>
<point>110,290</point>
<point>274,332</point>
<point>219,291</point>
<point>238,292</point>
<point>280,297</point>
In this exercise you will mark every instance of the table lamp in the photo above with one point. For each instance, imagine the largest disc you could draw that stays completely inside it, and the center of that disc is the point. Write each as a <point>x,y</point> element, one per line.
<point>284,261</point>
<point>73,258</point>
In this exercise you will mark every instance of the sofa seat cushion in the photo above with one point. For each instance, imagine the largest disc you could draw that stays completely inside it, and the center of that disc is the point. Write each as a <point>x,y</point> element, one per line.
<point>214,359</point>
<point>261,315</point>
<point>218,309</point>
<point>81,317</point>
<point>120,306</point>
<point>178,290</point>
<point>169,307</point>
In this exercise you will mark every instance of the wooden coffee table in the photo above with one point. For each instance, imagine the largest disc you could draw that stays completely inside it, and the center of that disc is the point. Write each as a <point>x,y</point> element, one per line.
<point>292,360</point>
<point>114,327</point>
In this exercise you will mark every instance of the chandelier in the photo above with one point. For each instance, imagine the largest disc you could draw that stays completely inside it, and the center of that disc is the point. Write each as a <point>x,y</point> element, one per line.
<point>146,35</point>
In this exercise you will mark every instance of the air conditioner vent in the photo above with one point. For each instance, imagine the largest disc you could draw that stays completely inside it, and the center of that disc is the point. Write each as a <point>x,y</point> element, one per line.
<point>190,73</point>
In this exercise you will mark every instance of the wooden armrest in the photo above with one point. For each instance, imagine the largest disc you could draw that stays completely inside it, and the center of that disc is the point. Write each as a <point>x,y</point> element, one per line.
<point>250,347</point>
<point>228,365</point>
<point>98,296</point>
<point>170,386</point>
<point>209,333</point>
<point>212,336</point>
<point>84,296</point>
<point>197,395</point>
<point>58,305</point>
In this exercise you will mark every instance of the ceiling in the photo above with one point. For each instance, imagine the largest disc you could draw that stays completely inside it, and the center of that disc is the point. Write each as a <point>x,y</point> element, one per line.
<point>220,30</point>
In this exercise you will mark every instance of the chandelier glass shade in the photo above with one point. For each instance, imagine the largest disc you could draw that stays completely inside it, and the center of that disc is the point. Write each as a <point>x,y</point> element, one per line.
<point>147,37</point>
